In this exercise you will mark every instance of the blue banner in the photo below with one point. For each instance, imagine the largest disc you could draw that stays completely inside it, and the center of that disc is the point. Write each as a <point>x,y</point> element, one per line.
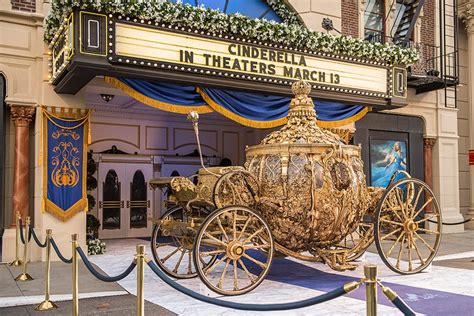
<point>65,165</point>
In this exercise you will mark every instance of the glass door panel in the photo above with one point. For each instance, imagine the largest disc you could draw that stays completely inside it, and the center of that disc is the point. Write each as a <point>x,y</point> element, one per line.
<point>139,203</point>
<point>111,203</point>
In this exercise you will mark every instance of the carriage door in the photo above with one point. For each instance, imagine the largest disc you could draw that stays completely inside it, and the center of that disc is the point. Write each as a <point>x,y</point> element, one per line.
<point>125,199</point>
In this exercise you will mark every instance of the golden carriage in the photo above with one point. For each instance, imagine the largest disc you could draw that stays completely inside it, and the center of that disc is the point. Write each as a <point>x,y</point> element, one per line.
<point>302,193</point>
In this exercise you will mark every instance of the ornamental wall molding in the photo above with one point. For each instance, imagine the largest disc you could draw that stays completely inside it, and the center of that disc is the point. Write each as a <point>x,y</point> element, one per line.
<point>466,13</point>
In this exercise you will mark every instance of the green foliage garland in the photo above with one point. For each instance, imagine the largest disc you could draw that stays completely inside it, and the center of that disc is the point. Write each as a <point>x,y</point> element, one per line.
<point>287,34</point>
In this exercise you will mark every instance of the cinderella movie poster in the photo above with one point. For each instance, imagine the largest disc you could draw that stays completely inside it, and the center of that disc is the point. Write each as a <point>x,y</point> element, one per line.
<point>386,157</point>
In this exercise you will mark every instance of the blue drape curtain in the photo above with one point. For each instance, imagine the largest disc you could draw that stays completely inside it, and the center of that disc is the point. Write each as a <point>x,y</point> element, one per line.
<point>250,109</point>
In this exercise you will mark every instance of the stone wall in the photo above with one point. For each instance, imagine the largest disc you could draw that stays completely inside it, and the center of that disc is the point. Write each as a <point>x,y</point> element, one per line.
<point>24,5</point>
<point>350,17</point>
<point>312,12</point>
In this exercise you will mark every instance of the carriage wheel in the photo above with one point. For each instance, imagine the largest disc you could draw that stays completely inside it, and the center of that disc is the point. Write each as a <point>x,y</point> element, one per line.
<point>358,241</point>
<point>235,188</point>
<point>174,254</point>
<point>243,242</point>
<point>403,238</point>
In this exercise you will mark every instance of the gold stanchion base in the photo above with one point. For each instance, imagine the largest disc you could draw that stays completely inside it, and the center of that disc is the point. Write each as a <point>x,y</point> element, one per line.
<point>46,305</point>
<point>16,263</point>
<point>24,277</point>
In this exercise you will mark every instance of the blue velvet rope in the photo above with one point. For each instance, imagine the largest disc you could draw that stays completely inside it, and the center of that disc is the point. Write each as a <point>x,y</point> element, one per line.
<point>403,307</point>
<point>38,242</point>
<point>248,307</point>
<point>99,275</point>
<point>58,252</point>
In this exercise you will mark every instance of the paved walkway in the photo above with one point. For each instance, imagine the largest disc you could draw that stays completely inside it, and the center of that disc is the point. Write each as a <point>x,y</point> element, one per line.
<point>439,291</point>
<point>122,305</point>
<point>448,289</point>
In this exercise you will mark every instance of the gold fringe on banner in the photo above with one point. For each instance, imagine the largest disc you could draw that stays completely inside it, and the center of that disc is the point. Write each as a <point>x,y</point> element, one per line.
<point>80,205</point>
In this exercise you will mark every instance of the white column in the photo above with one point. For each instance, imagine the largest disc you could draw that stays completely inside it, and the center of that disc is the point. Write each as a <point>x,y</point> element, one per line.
<point>467,15</point>
<point>5,5</point>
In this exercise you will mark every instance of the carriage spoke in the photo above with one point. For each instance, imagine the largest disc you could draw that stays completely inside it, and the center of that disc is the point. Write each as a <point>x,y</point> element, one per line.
<point>234,225</point>
<point>427,218</point>
<point>428,231</point>
<point>245,226</point>
<point>215,239</point>
<point>171,243</point>
<point>424,242</point>
<point>409,242</point>
<point>418,252</point>
<point>246,270</point>
<point>219,223</point>
<point>212,252</point>
<point>391,233</point>
<point>176,267</point>
<point>410,188</point>
<point>221,279</point>
<point>416,201</point>
<point>189,263</point>
<point>423,207</point>
<point>170,255</point>
<point>261,264</point>
<point>400,203</point>
<point>249,238</point>
<point>211,268</point>
<point>394,244</point>
<point>400,252</point>
<point>236,287</point>
<point>391,222</point>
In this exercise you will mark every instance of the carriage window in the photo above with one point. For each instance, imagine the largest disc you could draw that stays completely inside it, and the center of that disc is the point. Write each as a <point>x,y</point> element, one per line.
<point>374,21</point>
<point>111,201</point>
<point>138,201</point>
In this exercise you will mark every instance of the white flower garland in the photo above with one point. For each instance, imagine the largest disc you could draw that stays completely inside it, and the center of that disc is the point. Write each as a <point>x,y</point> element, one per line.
<point>289,34</point>
<point>95,247</point>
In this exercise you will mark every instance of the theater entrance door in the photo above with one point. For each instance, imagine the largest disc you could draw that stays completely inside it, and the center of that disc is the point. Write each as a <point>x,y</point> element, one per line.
<point>124,199</point>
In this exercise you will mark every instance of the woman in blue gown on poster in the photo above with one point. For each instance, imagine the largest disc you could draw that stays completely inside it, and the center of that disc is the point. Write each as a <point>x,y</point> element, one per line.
<point>383,170</point>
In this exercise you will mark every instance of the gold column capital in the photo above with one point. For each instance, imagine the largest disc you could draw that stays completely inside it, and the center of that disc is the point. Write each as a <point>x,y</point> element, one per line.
<point>22,115</point>
<point>429,142</point>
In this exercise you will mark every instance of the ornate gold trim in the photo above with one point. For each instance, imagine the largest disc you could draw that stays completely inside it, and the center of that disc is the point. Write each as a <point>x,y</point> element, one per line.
<point>175,108</point>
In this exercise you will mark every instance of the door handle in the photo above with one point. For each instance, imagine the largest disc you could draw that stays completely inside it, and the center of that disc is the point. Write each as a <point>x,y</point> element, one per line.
<point>131,204</point>
<point>111,204</point>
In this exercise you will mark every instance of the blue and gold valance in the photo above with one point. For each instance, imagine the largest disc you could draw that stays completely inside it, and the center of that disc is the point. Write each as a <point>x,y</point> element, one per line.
<point>250,109</point>
<point>64,161</point>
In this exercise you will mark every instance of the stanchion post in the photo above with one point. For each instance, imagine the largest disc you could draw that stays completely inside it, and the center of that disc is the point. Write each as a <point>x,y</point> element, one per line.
<point>47,304</point>
<point>75,280</point>
<point>24,276</point>
<point>140,261</point>
<point>370,272</point>
<point>17,262</point>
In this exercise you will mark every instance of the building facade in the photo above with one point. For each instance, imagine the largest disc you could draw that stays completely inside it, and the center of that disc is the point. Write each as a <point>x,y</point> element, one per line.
<point>133,142</point>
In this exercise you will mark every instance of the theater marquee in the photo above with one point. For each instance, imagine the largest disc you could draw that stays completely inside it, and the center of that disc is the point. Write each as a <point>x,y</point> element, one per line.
<point>239,59</point>
<point>91,44</point>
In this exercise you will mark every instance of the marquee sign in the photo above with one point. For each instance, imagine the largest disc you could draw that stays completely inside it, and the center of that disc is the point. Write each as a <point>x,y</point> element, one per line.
<point>150,50</point>
<point>246,61</point>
